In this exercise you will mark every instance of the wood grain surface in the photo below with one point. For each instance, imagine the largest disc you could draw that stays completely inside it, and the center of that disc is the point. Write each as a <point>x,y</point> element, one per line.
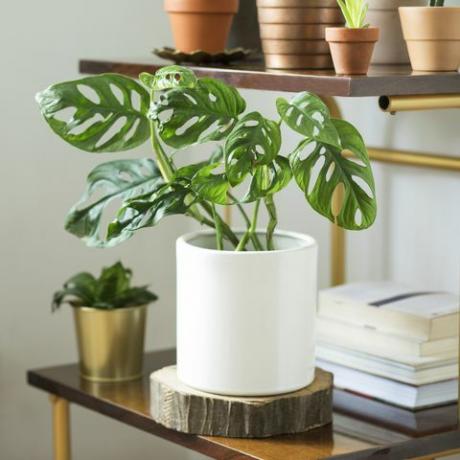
<point>381,81</point>
<point>177,406</point>
<point>129,402</point>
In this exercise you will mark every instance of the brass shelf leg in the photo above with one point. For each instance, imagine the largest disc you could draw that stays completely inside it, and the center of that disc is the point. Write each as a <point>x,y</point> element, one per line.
<point>338,240</point>
<point>61,428</point>
<point>338,246</point>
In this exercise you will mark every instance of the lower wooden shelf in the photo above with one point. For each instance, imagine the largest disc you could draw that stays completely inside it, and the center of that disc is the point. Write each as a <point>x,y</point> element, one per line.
<point>129,402</point>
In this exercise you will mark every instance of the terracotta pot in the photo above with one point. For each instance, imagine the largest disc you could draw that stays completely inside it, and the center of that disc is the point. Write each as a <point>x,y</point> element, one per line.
<point>201,24</point>
<point>295,47</point>
<point>300,16</point>
<point>293,32</point>
<point>391,48</point>
<point>432,35</point>
<point>298,61</point>
<point>352,49</point>
<point>297,3</point>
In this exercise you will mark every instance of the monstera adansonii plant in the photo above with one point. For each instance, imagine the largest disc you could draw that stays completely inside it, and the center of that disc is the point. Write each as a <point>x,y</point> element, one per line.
<point>174,110</point>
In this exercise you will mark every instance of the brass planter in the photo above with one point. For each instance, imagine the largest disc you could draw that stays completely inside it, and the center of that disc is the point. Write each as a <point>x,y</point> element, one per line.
<point>110,342</point>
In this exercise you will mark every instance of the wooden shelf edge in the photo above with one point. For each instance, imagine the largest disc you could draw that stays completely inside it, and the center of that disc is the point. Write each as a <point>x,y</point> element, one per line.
<point>382,81</point>
<point>145,423</point>
<point>240,78</point>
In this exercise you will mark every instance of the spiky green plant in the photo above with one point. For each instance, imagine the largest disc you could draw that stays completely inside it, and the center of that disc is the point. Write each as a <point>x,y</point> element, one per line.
<point>354,12</point>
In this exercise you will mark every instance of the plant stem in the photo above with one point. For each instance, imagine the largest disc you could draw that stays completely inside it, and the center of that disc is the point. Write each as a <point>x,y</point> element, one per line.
<point>167,171</point>
<point>250,231</point>
<point>164,163</point>
<point>217,222</point>
<point>226,230</point>
<point>255,239</point>
<point>272,222</point>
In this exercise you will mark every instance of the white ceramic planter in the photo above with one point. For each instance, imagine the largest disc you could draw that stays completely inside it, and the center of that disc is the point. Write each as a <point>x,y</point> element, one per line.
<point>246,320</point>
<point>391,48</point>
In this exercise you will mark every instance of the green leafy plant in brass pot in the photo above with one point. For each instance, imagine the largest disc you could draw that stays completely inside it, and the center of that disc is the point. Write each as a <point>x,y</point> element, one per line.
<point>110,318</point>
<point>432,35</point>
<point>352,46</point>
<point>230,281</point>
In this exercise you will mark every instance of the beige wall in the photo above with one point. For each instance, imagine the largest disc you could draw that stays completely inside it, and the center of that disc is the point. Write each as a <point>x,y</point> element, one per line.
<point>415,237</point>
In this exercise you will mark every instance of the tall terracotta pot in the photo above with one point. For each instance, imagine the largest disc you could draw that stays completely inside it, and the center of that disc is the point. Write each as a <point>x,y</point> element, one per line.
<point>391,48</point>
<point>201,24</point>
<point>292,32</point>
<point>432,35</point>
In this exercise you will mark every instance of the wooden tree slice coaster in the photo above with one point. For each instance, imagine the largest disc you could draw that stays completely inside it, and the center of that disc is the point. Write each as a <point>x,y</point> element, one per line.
<point>185,409</point>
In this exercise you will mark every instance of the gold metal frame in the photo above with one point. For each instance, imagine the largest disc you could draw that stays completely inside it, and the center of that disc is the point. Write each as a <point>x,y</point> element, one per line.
<point>395,104</point>
<point>60,407</point>
<point>424,160</point>
<point>441,162</point>
<point>61,428</point>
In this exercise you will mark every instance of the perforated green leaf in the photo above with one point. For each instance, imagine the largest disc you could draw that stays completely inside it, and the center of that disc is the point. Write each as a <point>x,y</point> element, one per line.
<point>269,179</point>
<point>108,112</point>
<point>209,185</point>
<point>173,76</point>
<point>359,209</point>
<point>116,180</point>
<point>308,115</point>
<point>148,210</point>
<point>254,140</point>
<point>206,112</point>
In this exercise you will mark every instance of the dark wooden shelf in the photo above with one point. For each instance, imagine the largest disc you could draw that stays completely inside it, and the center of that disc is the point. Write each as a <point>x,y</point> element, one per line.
<point>381,81</point>
<point>129,402</point>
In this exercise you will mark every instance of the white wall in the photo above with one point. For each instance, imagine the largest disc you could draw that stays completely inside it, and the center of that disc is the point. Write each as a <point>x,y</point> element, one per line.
<point>415,238</point>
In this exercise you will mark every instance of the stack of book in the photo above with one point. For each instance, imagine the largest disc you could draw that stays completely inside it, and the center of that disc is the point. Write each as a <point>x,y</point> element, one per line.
<point>383,423</point>
<point>390,342</point>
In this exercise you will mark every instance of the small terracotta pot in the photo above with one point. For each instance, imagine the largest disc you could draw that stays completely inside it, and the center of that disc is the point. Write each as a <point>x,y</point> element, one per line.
<point>432,35</point>
<point>201,24</point>
<point>391,48</point>
<point>352,49</point>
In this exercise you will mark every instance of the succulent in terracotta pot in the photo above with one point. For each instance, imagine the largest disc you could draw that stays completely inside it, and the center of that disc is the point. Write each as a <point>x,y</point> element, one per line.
<point>201,24</point>
<point>432,35</point>
<point>352,46</point>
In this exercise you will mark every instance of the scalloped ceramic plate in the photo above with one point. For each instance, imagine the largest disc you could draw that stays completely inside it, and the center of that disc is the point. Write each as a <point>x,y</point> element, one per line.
<point>202,57</point>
